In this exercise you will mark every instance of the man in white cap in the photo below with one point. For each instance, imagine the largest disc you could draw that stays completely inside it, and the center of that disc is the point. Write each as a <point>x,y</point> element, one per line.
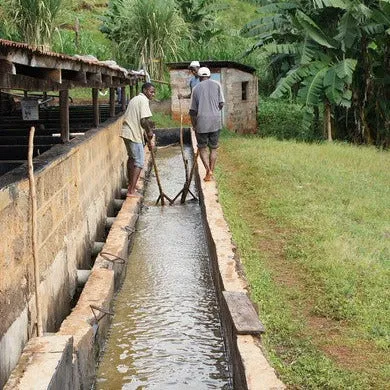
<point>193,67</point>
<point>205,112</point>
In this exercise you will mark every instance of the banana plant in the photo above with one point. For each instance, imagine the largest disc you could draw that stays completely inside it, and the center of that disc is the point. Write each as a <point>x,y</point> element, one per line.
<point>328,48</point>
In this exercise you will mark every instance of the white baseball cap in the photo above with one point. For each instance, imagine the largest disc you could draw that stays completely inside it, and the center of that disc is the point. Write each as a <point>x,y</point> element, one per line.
<point>204,72</point>
<point>194,64</point>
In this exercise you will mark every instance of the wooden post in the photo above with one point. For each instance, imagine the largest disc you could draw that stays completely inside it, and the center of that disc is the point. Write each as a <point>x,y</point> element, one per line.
<point>95,103</point>
<point>112,102</point>
<point>131,91</point>
<point>136,88</point>
<point>64,115</point>
<point>33,198</point>
<point>123,98</point>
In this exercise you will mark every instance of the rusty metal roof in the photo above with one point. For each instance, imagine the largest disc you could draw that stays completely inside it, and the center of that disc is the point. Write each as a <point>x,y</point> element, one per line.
<point>28,49</point>
<point>213,65</point>
<point>27,67</point>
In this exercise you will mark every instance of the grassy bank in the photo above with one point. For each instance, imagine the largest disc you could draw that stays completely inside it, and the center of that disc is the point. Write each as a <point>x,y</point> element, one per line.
<point>312,226</point>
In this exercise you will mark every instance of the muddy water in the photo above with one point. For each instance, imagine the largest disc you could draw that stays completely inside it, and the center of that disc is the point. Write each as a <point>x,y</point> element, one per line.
<point>166,331</point>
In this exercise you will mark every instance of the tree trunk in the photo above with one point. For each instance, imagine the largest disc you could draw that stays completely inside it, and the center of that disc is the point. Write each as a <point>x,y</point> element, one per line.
<point>328,122</point>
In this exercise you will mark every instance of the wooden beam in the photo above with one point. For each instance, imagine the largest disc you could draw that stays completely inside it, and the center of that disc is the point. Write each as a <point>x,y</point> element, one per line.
<point>106,79</point>
<point>123,98</point>
<point>64,115</point>
<point>94,77</point>
<point>54,75</point>
<point>112,102</point>
<point>132,91</point>
<point>7,66</point>
<point>95,104</point>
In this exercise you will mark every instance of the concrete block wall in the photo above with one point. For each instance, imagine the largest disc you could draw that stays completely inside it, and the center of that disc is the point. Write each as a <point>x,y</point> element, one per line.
<point>240,115</point>
<point>179,84</point>
<point>75,184</point>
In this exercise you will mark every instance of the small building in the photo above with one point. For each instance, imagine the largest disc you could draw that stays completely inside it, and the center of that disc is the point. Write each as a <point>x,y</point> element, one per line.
<point>240,88</point>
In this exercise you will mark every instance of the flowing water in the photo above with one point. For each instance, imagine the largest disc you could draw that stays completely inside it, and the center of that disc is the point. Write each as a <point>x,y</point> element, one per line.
<point>166,331</point>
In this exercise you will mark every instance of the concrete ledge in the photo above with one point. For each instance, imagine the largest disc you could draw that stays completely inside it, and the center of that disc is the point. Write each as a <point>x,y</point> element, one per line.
<point>249,366</point>
<point>46,363</point>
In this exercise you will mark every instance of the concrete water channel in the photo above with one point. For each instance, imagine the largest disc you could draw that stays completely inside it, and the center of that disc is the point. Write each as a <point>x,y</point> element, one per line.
<point>168,288</point>
<point>166,332</point>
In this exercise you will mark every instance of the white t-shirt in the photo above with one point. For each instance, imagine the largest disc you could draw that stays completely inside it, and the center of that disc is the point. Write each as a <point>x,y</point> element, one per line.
<point>137,109</point>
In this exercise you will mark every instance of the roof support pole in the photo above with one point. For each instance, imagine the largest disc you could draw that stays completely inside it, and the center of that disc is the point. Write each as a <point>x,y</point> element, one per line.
<point>123,98</point>
<point>112,102</point>
<point>95,103</point>
<point>132,93</point>
<point>64,115</point>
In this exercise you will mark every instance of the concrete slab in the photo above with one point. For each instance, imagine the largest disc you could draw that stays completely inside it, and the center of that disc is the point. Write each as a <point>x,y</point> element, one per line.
<point>46,363</point>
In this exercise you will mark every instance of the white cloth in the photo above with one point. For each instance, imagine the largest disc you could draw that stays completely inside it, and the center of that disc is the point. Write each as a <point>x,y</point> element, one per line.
<point>137,109</point>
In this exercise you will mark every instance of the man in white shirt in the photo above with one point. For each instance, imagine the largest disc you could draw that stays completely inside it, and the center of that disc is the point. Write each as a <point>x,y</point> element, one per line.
<point>205,112</point>
<point>136,121</point>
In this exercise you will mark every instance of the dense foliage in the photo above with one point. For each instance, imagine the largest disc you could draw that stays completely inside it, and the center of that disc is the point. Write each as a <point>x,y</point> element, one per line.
<point>333,55</point>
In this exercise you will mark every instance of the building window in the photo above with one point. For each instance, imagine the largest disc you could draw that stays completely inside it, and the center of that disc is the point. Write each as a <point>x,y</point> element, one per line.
<point>244,90</point>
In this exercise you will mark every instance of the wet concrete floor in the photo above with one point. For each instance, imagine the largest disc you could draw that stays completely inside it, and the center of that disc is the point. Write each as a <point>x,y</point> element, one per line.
<point>166,331</point>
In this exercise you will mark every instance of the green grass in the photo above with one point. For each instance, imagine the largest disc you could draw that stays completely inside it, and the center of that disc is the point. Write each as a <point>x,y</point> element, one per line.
<point>312,226</point>
<point>164,121</point>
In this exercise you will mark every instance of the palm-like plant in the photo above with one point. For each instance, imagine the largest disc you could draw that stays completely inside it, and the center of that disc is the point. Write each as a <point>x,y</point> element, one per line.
<point>34,20</point>
<point>322,49</point>
<point>146,31</point>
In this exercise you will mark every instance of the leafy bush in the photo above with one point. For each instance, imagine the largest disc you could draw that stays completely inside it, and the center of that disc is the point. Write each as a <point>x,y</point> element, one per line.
<point>283,120</point>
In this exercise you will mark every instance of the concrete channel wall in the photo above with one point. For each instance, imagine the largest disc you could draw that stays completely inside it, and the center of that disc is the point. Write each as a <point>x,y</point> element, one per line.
<point>75,185</point>
<point>83,332</point>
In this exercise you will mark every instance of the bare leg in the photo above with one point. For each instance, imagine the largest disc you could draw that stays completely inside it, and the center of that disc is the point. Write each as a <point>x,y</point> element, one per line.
<point>204,156</point>
<point>213,159</point>
<point>130,167</point>
<point>133,173</point>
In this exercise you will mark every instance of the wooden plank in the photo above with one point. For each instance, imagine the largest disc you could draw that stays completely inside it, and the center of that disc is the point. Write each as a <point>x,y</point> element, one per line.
<point>123,98</point>
<point>112,102</point>
<point>64,115</point>
<point>243,314</point>
<point>7,66</point>
<point>95,104</point>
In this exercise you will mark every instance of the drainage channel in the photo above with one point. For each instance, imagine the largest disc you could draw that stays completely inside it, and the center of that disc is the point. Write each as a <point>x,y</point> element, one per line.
<point>166,331</point>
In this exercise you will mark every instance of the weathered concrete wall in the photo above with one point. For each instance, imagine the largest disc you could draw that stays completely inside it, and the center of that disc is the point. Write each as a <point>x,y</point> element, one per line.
<point>250,368</point>
<point>87,325</point>
<point>240,115</point>
<point>179,84</point>
<point>75,183</point>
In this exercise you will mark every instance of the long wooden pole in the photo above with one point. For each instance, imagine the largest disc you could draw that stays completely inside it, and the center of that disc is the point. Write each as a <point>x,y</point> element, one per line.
<point>162,194</point>
<point>33,198</point>
<point>185,161</point>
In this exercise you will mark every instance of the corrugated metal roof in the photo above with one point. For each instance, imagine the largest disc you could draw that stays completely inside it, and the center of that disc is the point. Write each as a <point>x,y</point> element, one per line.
<point>28,49</point>
<point>213,64</point>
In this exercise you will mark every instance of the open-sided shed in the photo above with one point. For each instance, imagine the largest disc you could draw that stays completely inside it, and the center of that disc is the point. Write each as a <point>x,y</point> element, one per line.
<point>240,88</point>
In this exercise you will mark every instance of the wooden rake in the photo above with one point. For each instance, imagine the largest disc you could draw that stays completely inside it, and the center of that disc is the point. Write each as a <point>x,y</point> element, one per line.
<point>162,195</point>
<point>186,188</point>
